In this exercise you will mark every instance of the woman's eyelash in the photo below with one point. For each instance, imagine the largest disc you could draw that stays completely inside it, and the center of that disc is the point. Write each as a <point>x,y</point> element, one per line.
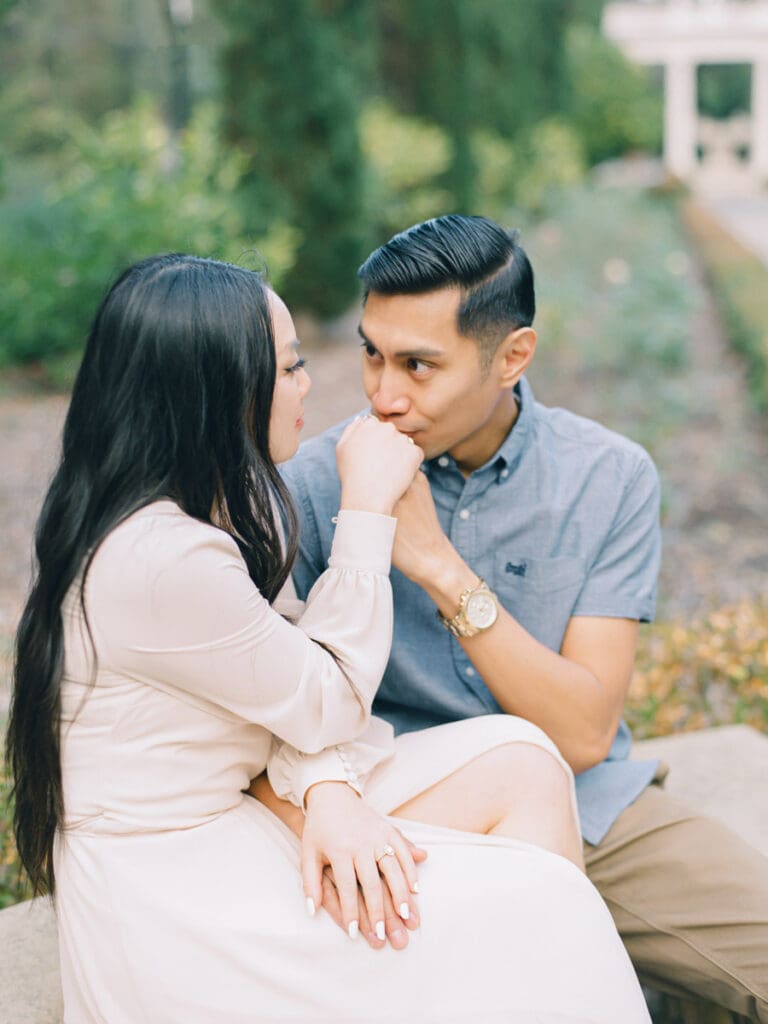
<point>296,366</point>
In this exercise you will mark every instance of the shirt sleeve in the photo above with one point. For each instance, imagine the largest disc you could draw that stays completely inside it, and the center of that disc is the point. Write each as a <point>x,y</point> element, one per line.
<point>291,773</point>
<point>621,582</point>
<point>185,614</point>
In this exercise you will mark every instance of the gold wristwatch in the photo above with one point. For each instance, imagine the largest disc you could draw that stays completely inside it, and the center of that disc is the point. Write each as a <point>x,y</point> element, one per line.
<point>478,610</point>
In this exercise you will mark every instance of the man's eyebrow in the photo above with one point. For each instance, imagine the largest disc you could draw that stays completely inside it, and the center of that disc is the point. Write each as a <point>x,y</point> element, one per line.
<point>364,336</point>
<point>409,353</point>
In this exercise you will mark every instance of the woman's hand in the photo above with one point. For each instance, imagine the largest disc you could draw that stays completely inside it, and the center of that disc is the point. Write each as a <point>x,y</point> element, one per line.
<point>376,465</point>
<point>340,814</point>
<point>358,866</point>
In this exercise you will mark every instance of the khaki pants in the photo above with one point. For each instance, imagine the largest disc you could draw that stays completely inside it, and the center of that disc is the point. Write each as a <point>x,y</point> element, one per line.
<point>690,901</point>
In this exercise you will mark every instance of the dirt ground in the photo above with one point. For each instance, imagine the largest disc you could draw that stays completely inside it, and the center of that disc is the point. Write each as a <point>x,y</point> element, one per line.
<point>714,470</point>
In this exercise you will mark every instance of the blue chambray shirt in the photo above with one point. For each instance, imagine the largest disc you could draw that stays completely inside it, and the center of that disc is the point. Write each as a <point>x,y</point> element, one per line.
<point>563,520</point>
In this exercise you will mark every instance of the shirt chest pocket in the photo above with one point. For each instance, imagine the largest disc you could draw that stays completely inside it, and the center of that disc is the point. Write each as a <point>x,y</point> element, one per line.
<point>539,592</point>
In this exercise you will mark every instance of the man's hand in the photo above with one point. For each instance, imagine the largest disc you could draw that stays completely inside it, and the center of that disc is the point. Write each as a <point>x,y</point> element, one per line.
<point>420,545</point>
<point>576,696</point>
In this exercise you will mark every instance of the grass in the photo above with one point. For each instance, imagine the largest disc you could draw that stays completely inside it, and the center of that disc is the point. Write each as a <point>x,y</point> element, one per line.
<point>615,299</point>
<point>739,281</point>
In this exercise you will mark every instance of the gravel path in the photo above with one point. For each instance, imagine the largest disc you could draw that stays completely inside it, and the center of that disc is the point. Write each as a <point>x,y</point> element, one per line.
<point>714,470</point>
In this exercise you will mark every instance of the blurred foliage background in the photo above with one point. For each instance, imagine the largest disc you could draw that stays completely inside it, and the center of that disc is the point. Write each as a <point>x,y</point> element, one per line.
<point>296,134</point>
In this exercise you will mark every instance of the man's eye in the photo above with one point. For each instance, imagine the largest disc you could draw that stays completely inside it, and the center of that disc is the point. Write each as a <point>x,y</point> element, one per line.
<point>369,350</point>
<point>418,366</point>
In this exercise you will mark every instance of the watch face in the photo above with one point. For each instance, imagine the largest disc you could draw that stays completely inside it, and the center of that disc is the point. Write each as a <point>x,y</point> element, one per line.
<point>481,610</point>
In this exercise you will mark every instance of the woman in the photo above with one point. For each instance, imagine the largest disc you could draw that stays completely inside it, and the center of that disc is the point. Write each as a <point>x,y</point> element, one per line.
<point>154,679</point>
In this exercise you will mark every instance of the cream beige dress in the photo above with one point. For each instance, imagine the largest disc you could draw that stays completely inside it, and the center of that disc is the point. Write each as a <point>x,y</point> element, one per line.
<point>180,899</point>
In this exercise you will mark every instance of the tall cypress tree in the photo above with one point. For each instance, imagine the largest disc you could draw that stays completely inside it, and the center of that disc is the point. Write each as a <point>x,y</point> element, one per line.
<point>486,64</point>
<point>292,92</point>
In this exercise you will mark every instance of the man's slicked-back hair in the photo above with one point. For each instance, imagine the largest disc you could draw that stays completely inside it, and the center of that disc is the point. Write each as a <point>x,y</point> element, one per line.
<point>474,254</point>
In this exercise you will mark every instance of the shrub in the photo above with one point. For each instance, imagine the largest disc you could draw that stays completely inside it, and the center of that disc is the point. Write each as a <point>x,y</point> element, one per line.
<point>496,161</point>
<point>694,674</point>
<point>553,161</point>
<point>13,885</point>
<point>126,190</point>
<point>406,157</point>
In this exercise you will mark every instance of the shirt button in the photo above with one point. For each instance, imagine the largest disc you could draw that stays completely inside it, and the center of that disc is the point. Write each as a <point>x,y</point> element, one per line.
<point>443,461</point>
<point>505,473</point>
<point>469,670</point>
<point>464,514</point>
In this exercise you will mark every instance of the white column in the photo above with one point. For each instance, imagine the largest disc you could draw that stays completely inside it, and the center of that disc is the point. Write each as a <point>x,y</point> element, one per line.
<point>680,118</point>
<point>759,154</point>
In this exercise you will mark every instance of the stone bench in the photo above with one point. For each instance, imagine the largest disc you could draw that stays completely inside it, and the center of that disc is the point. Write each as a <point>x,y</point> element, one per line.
<point>716,771</point>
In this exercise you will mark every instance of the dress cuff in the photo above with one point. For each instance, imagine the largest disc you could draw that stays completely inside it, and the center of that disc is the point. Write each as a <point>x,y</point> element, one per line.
<point>291,773</point>
<point>332,765</point>
<point>363,542</point>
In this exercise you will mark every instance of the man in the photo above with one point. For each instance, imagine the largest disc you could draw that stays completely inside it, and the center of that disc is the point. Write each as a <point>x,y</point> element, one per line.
<point>525,589</point>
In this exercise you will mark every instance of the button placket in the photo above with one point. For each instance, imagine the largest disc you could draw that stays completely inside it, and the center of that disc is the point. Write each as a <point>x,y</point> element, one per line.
<point>349,771</point>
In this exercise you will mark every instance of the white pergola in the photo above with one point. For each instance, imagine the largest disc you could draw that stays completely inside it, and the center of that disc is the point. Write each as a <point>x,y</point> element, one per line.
<point>681,34</point>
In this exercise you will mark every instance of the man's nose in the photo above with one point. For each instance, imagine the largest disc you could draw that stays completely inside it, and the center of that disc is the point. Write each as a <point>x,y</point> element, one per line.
<point>389,398</point>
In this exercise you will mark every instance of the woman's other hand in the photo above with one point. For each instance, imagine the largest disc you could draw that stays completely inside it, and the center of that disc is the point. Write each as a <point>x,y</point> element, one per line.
<point>376,465</point>
<point>358,866</point>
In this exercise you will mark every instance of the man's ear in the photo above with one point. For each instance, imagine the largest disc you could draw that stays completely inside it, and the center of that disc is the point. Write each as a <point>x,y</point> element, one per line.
<point>514,355</point>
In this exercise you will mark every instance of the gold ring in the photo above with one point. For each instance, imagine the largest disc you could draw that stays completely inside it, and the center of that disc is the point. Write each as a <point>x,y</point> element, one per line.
<point>388,851</point>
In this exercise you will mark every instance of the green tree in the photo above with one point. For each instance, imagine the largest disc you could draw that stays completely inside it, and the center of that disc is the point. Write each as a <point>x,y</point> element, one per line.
<point>483,66</point>
<point>293,96</point>
<point>614,106</point>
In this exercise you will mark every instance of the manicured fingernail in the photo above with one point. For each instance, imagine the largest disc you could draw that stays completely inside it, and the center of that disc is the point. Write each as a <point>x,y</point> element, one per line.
<point>310,906</point>
<point>352,930</point>
<point>380,931</point>
<point>405,911</point>
<point>415,887</point>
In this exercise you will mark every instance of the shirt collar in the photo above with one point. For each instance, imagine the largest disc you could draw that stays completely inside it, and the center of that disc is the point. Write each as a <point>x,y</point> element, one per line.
<point>514,444</point>
<point>506,457</point>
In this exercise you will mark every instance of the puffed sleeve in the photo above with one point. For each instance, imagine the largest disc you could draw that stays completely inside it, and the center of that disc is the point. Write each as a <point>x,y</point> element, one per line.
<point>291,773</point>
<point>172,603</point>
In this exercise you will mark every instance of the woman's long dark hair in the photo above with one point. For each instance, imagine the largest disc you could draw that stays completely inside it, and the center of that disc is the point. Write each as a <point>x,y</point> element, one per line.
<point>172,400</point>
